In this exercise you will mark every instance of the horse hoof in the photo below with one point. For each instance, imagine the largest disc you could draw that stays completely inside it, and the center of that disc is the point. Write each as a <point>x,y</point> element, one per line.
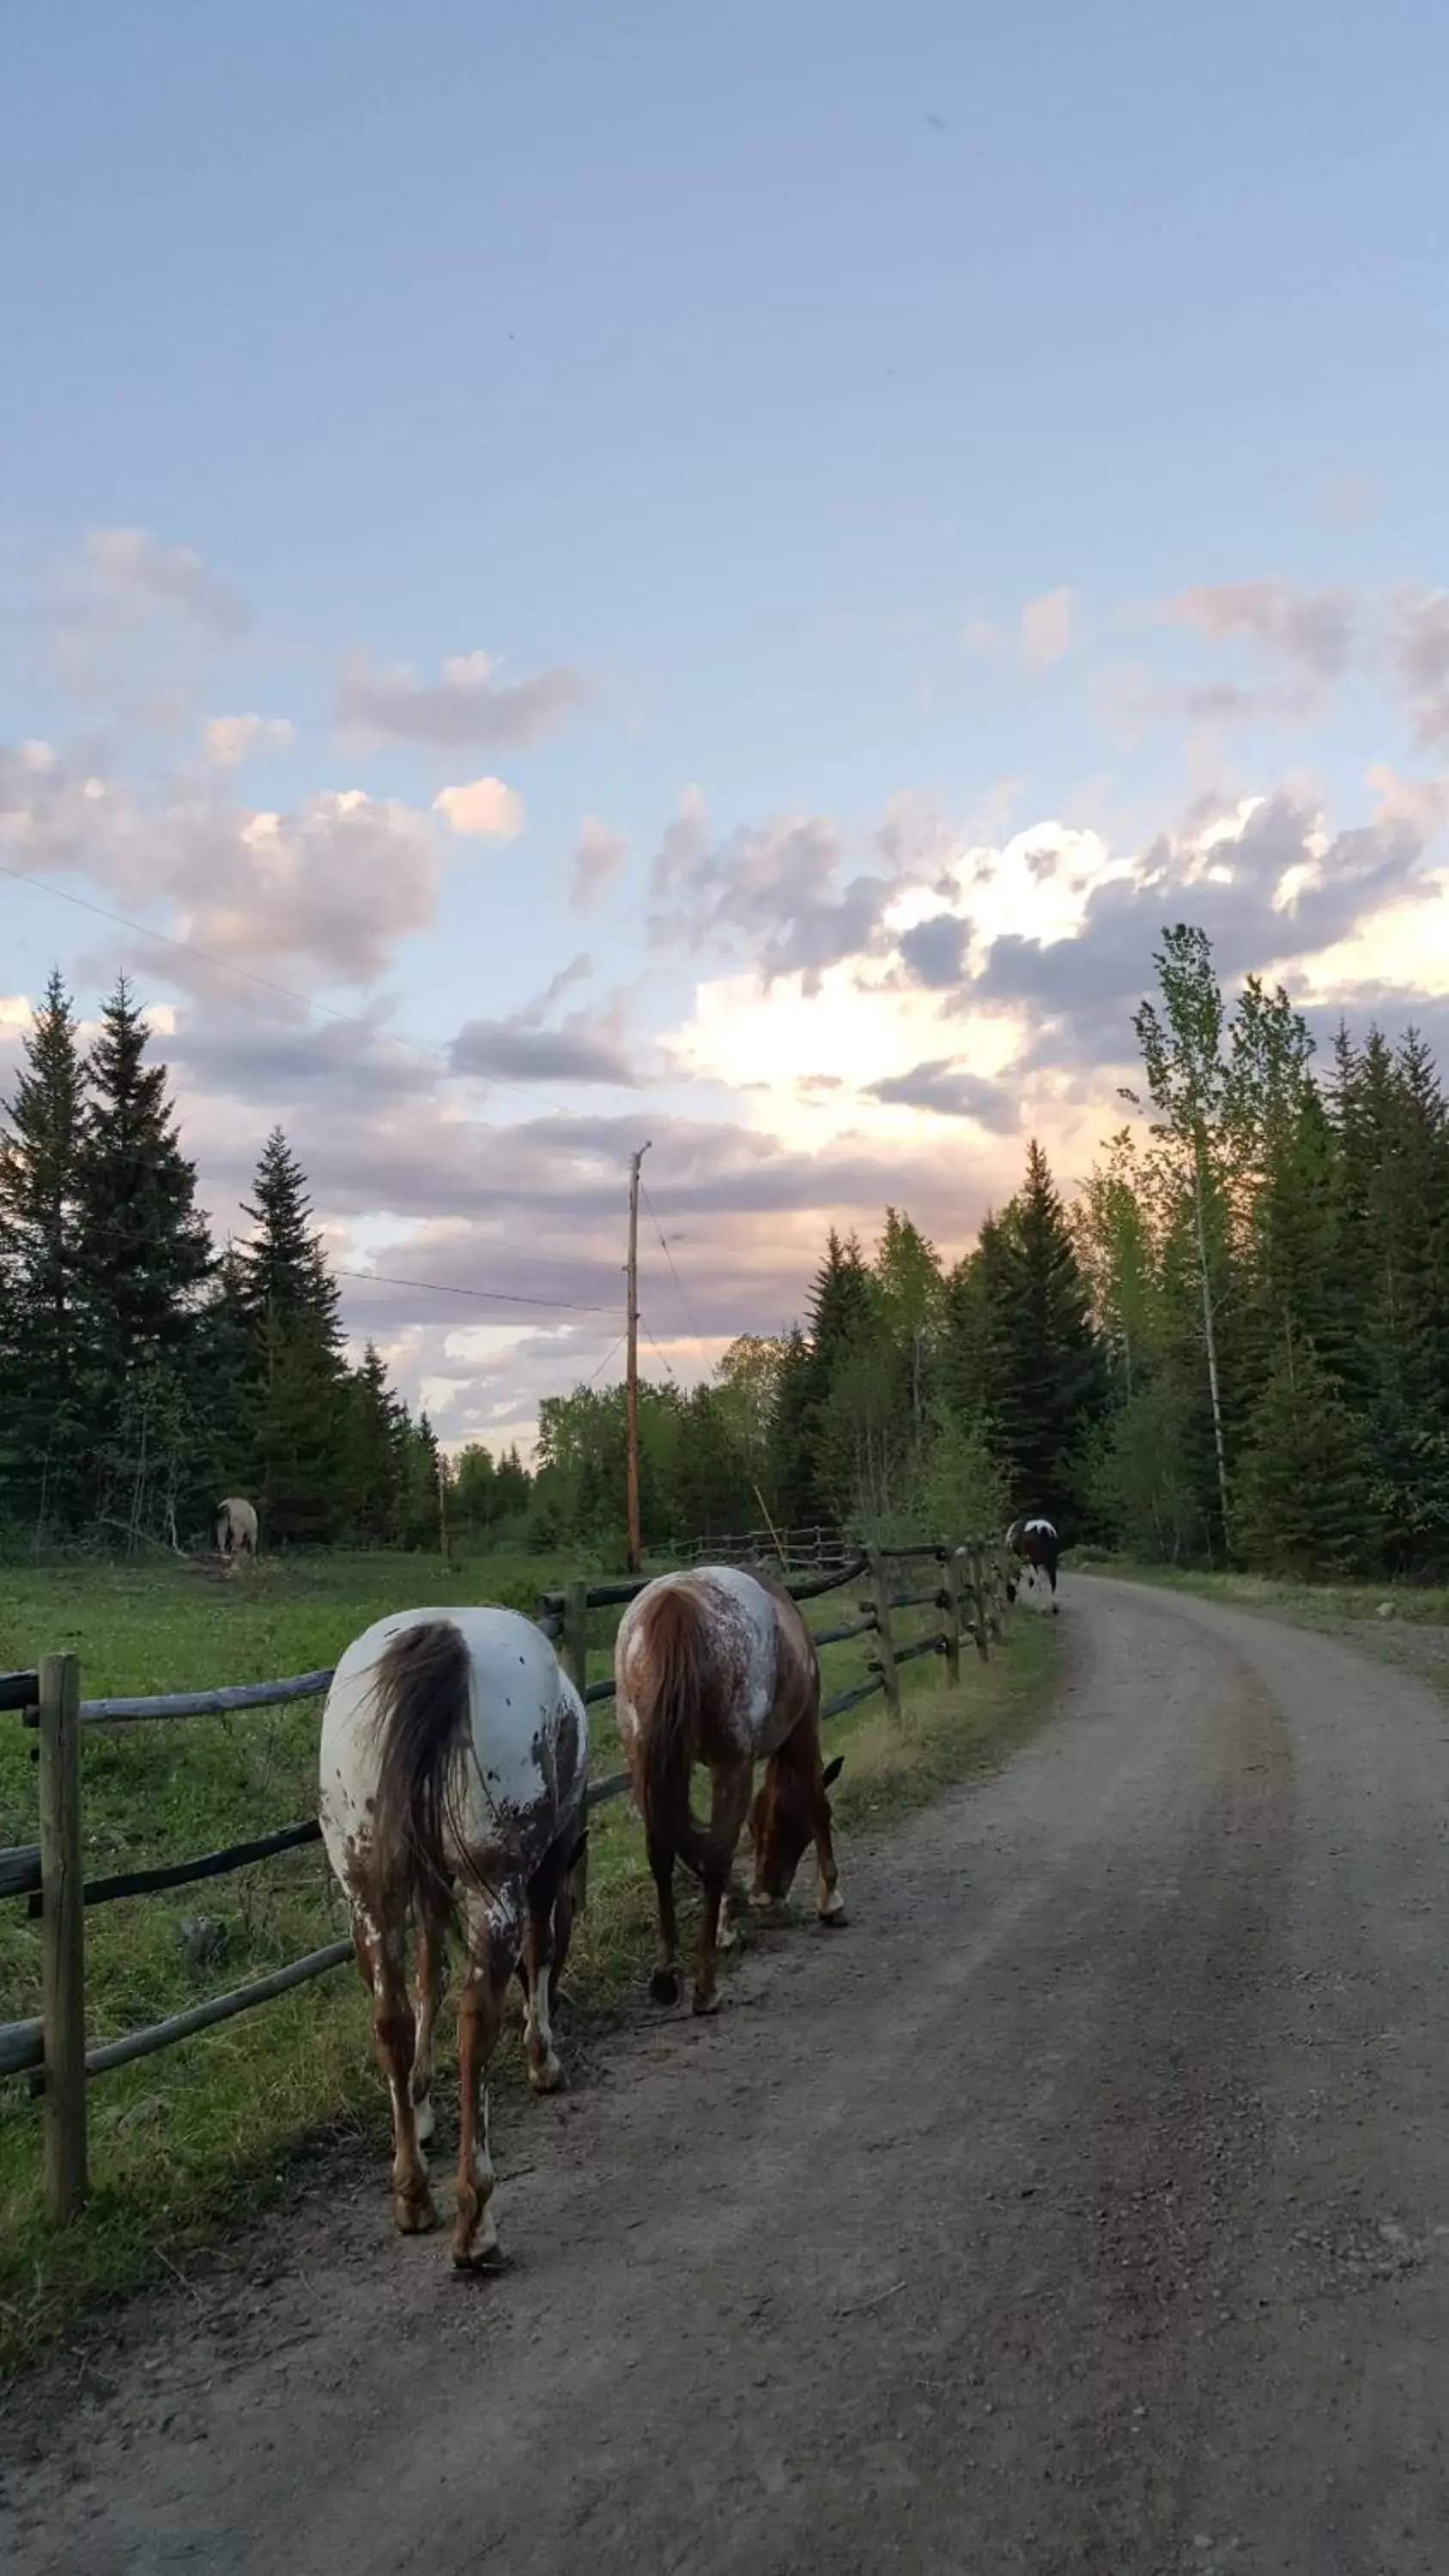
<point>547,2079</point>
<point>705,2004</point>
<point>835,1920</point>
<point>664,1986</point>
<point>414,2216</point>
<point>485,2258</point>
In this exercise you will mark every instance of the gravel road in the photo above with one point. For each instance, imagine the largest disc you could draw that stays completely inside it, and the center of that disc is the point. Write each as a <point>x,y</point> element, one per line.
<point>1084,2207</point>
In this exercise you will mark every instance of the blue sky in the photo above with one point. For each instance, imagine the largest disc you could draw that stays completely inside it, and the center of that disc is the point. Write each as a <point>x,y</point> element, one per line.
<point>877,436</point>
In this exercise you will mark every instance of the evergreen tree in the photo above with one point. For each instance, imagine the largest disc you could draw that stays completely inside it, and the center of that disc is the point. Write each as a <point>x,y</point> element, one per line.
<point>144,1257</point>
<point>377,1432</point>
<point>299,1412</point>
<point>790,1478</point>
<point>1047,1364</point>
<point>42,1325</point>
<point>284,1271</point>
<point>1304,1502</point>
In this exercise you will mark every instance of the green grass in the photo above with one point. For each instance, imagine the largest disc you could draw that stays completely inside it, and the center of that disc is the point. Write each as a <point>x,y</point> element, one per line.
<point>1318,1604</point>
<point>191,2146</point>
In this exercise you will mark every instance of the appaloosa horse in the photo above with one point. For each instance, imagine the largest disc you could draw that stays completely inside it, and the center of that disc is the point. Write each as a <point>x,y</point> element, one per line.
<point>1037,1546</point>
<point>717,1666</point>
<point>236,1530</point>
<point>454,1766</point>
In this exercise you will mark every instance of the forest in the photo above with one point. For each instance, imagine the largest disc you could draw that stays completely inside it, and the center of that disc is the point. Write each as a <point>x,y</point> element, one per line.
<point>1230,1346</point>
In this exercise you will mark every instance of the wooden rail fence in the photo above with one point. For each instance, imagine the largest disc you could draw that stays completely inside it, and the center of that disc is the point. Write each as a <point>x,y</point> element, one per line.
<point>51,2051</point>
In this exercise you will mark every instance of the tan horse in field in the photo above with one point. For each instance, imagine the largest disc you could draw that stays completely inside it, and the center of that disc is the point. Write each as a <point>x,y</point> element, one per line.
<point>236,1530</point>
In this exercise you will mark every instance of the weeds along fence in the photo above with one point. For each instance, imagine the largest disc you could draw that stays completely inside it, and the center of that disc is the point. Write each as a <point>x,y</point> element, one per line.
<point>964,1583</point>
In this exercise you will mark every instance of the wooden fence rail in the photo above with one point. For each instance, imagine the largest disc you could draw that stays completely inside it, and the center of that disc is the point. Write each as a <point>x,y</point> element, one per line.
<point>51,2050</point>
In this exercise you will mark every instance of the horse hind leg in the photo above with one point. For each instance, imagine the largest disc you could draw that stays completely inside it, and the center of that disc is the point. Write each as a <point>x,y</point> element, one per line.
<point>547,1896</point>
<point>729,1806</point>
<point>394,2038</point>
<point>492,1950</point>
<point>429,1980</point>
<point>664,1979</point>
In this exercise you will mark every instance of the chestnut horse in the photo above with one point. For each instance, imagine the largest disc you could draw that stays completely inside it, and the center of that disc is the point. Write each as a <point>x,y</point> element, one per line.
<point>1035,1543</point>
<point>454,1767</point>
<point>717,1666</point>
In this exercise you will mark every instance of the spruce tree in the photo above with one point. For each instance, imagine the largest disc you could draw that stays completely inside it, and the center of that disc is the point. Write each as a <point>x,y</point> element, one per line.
<point>1304,1499</point>
<point>145,1255</point>
<point>284,1270</point>
<point>42,1327</point>
<point>298,1413</point>
<point>377,1430</point>
<point>1048,1364</point>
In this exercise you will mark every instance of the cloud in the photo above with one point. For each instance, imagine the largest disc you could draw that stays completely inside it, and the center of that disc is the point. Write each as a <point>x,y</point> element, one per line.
<point>1314,629</point>
<point>501,1050</point>
<point>232,739</point>
<point>135,568</point>
<point>780,890</point>
<point>934,951</point>
<point>598,856</point>
<point>1419,655</point>
<point>1222,702</point>
<point>322,893</point>
<point>466,706</point>
<point>1268,885</point>
<point>484,808</point>
<point>950,1090</point>
<point>1046,628</point>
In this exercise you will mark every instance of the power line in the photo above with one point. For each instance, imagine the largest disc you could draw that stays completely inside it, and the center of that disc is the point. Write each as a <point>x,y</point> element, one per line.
<point>604,1362</point>
<point>489,1296</point>
<point>669,1257</point>
<point>284,992</point>
<point>662,1355</point>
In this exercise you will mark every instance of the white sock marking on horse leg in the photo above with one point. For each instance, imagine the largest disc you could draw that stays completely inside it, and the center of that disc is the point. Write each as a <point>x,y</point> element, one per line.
<point>540,2047</point>
<point>831,1904</point>
<point>485,2181</point>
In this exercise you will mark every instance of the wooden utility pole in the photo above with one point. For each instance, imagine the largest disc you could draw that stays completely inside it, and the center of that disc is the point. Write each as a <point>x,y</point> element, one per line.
<point>632,1379</point>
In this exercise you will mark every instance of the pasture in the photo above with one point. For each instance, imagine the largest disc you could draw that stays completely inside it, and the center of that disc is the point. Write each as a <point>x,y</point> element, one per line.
<point>194,2144</point>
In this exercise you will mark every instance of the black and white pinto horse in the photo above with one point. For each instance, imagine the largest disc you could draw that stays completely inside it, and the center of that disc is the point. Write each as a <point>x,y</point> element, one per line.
<point>1034,1543</point>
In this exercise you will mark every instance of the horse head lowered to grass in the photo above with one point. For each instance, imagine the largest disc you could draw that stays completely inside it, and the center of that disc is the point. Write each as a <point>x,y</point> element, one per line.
<point>718,1667</point>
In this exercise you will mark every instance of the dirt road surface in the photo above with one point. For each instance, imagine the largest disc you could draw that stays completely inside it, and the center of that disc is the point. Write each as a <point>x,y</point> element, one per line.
<point>1083,2207</point>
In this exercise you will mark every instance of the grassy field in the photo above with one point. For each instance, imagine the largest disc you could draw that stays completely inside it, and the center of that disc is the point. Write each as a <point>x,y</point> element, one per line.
<point>190,2146</point>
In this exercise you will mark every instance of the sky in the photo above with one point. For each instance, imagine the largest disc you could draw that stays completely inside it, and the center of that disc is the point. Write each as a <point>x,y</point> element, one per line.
<point>581,577</point>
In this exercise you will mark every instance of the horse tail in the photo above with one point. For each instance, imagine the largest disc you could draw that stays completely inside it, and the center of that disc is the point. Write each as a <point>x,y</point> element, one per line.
<point>423,1698</point>
<point>675,1708</point>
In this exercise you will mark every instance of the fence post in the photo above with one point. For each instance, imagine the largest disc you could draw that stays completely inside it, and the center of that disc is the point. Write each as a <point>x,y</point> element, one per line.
<point>880,1584</point>
<point>977,1557</point>
<point>575,1640</point>
<point>62,1941</point>
<point>951,1586</point>
<point>994,1596</point>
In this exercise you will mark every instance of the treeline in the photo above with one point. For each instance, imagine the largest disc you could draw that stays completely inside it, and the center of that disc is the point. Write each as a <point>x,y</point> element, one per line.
<point>145,1371</point>
<point>1233,1346</point>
